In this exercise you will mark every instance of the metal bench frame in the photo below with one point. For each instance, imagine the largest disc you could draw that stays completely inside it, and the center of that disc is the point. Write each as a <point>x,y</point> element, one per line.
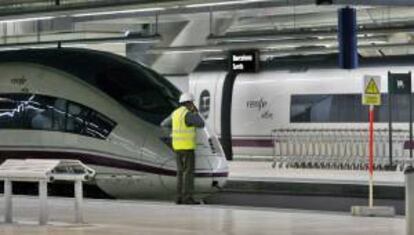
<point>43,172</point>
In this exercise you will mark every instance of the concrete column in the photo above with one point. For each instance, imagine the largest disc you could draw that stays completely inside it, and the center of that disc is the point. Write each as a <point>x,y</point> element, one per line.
<point>43,213</point>
<point>8,216</point>
<point>409,200</point>
<point>78,201</point>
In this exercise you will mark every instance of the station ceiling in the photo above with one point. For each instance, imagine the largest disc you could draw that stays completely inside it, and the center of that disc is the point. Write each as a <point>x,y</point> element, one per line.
<point>173,36</point>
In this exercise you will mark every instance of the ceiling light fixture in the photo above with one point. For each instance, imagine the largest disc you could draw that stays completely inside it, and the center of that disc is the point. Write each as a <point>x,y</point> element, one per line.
<point>131,38</point>
<point>213,4</point>
<point>155,9</point>
<point>27,19</point>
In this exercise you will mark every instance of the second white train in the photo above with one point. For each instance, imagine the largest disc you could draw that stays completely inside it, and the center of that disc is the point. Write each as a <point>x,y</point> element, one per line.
<point>324,98</point>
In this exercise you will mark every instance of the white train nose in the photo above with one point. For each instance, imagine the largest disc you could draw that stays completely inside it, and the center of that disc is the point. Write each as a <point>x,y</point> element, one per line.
<point>210,161</point>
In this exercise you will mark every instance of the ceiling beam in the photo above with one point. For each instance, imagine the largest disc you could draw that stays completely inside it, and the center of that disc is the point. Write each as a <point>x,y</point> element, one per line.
<point>126,9</point>
<point>395,27</point>
<point>49,43</point>
<point>374,2</point>
<point>288,43</point>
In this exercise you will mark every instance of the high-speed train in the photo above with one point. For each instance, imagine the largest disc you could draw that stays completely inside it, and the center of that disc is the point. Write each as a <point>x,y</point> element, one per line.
<point>104,110</point>
<point>300,92</point>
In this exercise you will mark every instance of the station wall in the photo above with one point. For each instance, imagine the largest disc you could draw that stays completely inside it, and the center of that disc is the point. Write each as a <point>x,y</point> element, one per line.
<point>180,81</point>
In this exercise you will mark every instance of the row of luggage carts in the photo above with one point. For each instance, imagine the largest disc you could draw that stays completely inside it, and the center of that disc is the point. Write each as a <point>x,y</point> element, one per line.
<point>337,149</point>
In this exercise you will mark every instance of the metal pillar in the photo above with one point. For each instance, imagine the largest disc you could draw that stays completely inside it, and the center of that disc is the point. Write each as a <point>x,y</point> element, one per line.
<point>347,38</point>
<point>78,201</point>
<point>409,200</point>
<point>8,216</point>
<point>390,125</point>
<point>43,214</point>
<point>411,124</point>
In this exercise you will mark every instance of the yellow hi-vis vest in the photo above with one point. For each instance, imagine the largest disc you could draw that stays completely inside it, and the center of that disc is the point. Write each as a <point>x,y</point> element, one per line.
<point>183,136</point>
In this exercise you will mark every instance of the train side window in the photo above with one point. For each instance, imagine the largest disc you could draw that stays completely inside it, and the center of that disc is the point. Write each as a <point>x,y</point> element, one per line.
<point>59,114</point>
<point>39,112</point>
<point>24,111</point>
<point>344,108</point>
<point>313,108</point>
<point>76,118</point>
<point>11,111</point>
<point>98,126</point>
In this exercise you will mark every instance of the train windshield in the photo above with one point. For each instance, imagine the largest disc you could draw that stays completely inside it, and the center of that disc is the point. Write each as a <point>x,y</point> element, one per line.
<point>143,92</point>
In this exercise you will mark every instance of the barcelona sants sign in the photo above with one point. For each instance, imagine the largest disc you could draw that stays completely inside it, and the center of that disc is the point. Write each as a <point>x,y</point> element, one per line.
<point>245,61</point>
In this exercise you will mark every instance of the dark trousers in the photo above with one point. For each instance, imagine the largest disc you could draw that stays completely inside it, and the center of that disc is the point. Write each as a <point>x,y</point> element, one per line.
<point>185,175</point>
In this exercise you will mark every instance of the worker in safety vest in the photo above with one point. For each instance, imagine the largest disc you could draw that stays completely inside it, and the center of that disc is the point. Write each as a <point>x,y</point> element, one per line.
<point>184,121</point>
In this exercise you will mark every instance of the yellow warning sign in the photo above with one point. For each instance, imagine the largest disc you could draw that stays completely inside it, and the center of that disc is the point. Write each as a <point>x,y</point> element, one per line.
<point>369,99</point>
<point>371,94</point>
<point>372,88</point>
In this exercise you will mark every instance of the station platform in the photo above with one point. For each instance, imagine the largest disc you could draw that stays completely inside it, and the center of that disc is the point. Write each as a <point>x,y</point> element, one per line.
<point>257,183</point>
<point>263,171</point>
<point>107,217</point>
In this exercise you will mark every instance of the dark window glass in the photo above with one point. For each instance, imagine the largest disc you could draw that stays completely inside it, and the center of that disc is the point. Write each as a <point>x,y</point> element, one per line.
<point>24,111</point>
<point>76,118</point>
<point>98,126</point>
<point>152,101</point>
<point>122,79</point>
<point>12,111</point>
<point>341,108</point>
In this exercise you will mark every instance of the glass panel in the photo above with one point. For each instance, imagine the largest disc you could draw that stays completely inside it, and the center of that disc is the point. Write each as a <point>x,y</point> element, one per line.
<point>76,115</point>
<point>59,114</point>
<point>98,125</point>
<point>151,101</point>
<point>120,78</point>
<point>341,108</point>
<point>12,111</point>
<point>24,111</point>
<point>39,112</point>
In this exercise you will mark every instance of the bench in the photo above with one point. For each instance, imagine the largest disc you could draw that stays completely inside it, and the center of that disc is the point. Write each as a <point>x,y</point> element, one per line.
<point>43,172</point>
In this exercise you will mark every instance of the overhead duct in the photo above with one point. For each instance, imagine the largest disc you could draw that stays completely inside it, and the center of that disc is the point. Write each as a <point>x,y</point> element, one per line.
<point>131,38</point>
<point>312,50</point>
<point>372,2</point>
<point>59,35</point>
<point>260,45</point>
<point>401,27</point>
<point>103,9</point>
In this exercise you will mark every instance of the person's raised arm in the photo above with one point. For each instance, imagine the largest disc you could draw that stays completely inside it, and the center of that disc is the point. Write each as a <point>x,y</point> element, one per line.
<point>194,119</point>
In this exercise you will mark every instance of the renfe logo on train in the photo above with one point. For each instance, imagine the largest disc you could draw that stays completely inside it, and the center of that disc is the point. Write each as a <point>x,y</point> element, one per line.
<point>204,103</point>
<point>371,94</point>
<point>244,61</point>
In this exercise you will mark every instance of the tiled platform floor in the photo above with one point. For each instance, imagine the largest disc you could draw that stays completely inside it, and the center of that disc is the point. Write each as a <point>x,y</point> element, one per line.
<point>107,217</point>
<point>263,171</point>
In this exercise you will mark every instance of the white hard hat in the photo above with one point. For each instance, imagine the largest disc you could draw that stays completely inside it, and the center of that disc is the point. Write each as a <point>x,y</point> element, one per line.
<point>186,97</point>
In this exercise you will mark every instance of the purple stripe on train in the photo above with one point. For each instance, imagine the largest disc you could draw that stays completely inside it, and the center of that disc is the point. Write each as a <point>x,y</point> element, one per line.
<point>260,143</point>
<point>408,145</point>
<point>93,159</point>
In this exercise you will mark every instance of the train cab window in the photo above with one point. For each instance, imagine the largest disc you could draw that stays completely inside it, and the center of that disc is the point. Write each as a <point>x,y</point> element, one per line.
<point>344,108</point>
<point>38,112</point>
<point>141,92</point>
